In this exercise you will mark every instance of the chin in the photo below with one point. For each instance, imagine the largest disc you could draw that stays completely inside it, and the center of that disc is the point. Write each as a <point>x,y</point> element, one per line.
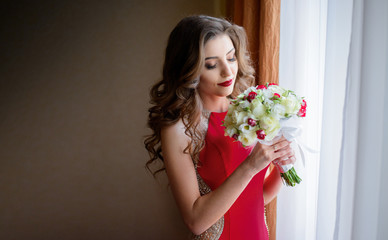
<point>231,88</point>
<point>227,92</point>
<point>230,92</point>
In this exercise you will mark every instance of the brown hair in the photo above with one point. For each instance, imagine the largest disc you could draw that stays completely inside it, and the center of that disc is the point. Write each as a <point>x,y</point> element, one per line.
<point>175,97</point>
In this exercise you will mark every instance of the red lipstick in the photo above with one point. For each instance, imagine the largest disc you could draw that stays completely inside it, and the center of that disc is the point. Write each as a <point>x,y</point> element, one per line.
<point>226,83</point>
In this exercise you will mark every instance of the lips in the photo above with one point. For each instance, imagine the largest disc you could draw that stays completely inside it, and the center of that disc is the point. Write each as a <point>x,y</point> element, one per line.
<point>226,83</point>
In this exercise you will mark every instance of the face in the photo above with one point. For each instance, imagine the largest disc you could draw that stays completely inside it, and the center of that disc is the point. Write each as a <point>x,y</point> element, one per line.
<point>218,75</point>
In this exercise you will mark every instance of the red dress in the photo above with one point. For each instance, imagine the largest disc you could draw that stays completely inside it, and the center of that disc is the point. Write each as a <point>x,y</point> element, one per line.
<point>219,158</point>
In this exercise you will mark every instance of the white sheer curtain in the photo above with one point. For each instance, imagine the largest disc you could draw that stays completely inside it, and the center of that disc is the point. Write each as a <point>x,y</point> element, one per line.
<point>339,62</point>
<point>339,16</point>
<point>301,68</point>
<point>362,192</point>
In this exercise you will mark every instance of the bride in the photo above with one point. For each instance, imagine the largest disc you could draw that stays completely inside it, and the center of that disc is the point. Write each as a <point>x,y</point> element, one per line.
<point>219,186</point>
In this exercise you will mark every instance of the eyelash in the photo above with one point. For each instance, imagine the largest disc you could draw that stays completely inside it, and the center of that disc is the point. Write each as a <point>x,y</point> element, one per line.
<point>233,59</point>
<point>210,66</point>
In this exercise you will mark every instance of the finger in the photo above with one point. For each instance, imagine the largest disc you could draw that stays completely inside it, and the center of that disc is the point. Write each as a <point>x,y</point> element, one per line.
<point>280,145</point>
<point>286,161</point>
<point>285,152</point>
<point>290,154</point>
<point>289,158</point>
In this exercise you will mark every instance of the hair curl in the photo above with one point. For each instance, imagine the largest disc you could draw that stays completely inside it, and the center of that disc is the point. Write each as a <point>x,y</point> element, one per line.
<point>175,97</point>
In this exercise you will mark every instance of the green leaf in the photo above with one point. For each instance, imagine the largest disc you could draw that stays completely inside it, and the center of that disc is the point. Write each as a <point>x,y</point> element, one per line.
<point>247,109</point>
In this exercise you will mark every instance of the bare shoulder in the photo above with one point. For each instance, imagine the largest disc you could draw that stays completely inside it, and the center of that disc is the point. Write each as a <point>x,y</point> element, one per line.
<point>174,135</point>
<point>178,163</point>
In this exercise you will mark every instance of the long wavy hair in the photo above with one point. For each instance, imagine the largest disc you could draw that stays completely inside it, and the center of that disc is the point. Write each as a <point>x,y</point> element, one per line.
<point>176,97</point>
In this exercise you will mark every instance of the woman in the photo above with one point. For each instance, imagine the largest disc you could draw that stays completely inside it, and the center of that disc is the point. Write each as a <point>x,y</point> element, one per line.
<point>219,186</point>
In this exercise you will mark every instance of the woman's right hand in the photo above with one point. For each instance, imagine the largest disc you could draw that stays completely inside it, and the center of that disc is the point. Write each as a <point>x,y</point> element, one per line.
<point>262,154</point>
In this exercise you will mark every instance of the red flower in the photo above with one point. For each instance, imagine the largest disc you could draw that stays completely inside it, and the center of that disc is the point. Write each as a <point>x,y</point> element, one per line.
<point>251,96</point>
<point>260,134</point>
<point>276,95</point>
<point>272,84</point>
<point>261,87</point>
<point>251,122</point>
<point>235,136</point>
<point>302,110</point>
<point>304,104</point>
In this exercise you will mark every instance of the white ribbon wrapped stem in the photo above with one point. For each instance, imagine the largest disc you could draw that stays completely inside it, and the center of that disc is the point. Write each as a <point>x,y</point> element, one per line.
<point>291,129</point>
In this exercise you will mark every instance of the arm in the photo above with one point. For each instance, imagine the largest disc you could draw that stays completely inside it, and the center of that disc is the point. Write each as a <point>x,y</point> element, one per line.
<point>200,212</point>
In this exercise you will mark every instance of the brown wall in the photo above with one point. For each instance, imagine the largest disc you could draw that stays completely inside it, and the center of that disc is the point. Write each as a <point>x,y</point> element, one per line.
<point>73,102</point>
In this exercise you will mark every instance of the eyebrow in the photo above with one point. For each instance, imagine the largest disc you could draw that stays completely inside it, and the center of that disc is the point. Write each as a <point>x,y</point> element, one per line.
<point>217,57</point>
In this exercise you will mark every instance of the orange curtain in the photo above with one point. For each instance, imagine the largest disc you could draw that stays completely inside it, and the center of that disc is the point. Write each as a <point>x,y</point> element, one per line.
<point>261,20</point>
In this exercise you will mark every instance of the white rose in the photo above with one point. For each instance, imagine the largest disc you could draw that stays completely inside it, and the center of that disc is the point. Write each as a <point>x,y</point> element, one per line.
<point>271,126</point>
<point>248,138</point>
<point>244,104</point>
<point>268,103</point>
<point>271,133</point>
<point>238,117</point>
<point>266,122</point>
<point>278,111</point>
<point>267,93</point>
<point>291,104</point>
<point>276,89</point>
<point>258,109</point>
<point>229,116</point>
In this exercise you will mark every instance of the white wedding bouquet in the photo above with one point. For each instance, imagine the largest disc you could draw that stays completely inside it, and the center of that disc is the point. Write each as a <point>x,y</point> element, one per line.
<point>262,113</point>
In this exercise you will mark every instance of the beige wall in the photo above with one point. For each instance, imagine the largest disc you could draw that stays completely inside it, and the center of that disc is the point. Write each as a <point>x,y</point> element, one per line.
<point>73,103</point>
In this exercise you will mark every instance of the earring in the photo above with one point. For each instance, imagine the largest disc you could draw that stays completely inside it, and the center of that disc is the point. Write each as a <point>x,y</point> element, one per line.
<point>196,80</point>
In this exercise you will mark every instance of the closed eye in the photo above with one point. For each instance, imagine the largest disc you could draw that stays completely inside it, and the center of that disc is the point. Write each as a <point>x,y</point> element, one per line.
<point>233,59</point>
<point>209,66</point>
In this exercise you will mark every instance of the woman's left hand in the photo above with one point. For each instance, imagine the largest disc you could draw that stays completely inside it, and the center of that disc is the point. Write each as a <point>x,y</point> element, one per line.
<point>288,159</point>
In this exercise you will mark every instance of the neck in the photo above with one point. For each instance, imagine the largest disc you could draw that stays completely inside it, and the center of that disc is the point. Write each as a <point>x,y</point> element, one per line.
<point>215,103</point>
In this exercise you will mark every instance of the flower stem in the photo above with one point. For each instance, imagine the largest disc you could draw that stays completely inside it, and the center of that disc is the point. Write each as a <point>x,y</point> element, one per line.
<point>290,178</point>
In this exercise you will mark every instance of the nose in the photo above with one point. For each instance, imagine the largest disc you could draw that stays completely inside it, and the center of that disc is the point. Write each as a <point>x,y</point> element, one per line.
<point>226,70</point>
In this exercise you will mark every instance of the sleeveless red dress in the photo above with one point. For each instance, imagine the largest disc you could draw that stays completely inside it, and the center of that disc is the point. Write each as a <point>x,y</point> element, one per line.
<point>217,160</point>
